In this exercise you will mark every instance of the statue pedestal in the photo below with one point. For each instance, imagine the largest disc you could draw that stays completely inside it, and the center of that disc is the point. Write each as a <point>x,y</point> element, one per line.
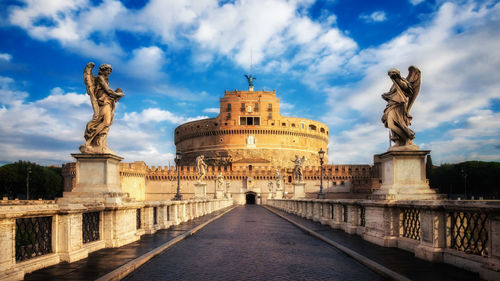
<point>200,190</point>
<point>228,195</point>
<point>219,194</point>
<point>403,177</point>
<point>299,190</point>
<point>278,194</point>
<point>97,179</point>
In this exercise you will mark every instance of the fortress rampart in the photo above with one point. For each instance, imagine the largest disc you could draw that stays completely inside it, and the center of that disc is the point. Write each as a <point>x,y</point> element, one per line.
<point>160,183</point>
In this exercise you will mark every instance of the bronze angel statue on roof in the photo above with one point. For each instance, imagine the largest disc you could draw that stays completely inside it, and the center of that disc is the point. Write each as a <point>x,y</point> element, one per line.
<point>103,100</point>
<point>399,99</point>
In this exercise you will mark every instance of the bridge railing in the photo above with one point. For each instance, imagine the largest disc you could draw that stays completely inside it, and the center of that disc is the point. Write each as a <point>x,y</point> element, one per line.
<point>462,233</point>
<point>33,236</point>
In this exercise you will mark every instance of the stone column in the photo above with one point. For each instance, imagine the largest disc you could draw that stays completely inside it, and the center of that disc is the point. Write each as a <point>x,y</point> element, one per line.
<point>433,236</point>
<point>69,234</point>
<point>382,225</point>
<point>352,220</point>
<point>316,211</point>
<point>7,244</point>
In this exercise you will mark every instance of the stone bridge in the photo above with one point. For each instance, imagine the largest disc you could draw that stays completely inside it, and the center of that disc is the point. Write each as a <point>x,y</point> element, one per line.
<point>302,239</point>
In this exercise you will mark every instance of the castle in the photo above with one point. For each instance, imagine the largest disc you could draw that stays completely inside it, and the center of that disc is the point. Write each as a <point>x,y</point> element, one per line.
<point>247,143</point>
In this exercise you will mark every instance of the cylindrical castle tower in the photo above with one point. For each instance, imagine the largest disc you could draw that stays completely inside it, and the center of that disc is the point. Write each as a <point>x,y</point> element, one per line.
<point>250,130</point>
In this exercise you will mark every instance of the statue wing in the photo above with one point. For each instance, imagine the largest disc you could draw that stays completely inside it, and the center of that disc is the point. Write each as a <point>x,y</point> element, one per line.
<point>414,80</point>
<point>89,80</point>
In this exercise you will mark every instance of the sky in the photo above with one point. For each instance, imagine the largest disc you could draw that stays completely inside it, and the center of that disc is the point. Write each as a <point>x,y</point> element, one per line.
<point>327,60</point>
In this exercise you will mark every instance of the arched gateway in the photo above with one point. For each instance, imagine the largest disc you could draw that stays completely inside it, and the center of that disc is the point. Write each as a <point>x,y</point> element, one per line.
<point>251,198</point>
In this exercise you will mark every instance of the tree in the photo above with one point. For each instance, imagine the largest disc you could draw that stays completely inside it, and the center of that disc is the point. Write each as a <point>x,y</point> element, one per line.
<point>44,182</point>
<point>428,166</point>
<point>481,180</point>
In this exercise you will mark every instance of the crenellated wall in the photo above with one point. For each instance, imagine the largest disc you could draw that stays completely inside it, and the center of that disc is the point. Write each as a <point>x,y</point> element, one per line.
<point>160,183</point>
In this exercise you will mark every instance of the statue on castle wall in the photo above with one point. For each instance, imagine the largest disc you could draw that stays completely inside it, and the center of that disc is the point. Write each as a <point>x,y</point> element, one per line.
<point>220,182</point>
<point>277,177</point>
<point>400,99</point>
<point>103,100</point>
<point>201,167</point>
<point>297,169</point>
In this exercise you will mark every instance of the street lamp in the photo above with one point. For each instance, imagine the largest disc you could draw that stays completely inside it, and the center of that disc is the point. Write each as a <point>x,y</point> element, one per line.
<point>464,174</point>
<point>28,172</point>
<point>321,153</point>
<point>178,157</point>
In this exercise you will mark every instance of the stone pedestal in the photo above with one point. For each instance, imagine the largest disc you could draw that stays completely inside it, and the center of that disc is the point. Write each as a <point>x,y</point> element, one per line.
<point>278,194</point>
<point>97,180</point>
<point>299,190</point>
<point>403,177</point>
<point>200,190</point>
<point>219,194</point>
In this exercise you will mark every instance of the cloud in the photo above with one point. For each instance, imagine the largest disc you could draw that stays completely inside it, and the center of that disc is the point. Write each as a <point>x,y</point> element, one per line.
<point>5,57</point>
<point>277,33</point>
<point>153,115</point>
<point>72,23</point>
<point>416,2</point>
<point>212,110</point>
<point>146,63</point>
<point>377,16</point>
<point>47,130</point>
<point>458,78</point>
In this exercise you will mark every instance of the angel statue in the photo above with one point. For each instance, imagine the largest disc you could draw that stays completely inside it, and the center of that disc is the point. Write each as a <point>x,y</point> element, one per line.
<point>250,79</point>
<point>399,99</point>
<point>297,169</point>
<point>201,167</point>
<point>103,101</point>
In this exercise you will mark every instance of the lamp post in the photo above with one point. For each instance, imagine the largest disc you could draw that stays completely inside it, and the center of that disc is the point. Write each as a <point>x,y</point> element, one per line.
<point>28,172</point>
<point>178,157</point>
<point>464,174</point>
<point>321,153</point>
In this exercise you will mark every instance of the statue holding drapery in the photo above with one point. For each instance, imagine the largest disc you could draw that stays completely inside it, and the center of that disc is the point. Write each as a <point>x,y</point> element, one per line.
<point>400,99</point>
<point>103,100</point>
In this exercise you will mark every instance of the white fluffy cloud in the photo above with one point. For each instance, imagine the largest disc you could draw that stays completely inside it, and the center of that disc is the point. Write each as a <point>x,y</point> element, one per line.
<point>458,80</point>
<point>49,129</point>
<point>5,56</point>
<point>154,115</point>
<point>212,110</point>
<point>377,16</point>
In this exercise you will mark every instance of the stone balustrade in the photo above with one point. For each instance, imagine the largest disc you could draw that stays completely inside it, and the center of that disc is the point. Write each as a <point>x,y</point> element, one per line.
<point>34,236</point>
<point>465,234</point>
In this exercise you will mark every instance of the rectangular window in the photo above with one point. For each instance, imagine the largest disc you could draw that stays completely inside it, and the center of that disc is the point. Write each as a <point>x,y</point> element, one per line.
<point>228,107</point>
<point>270,107</point>
<point>250,121</point>
<point>242,106</point>
<point>256,108</point>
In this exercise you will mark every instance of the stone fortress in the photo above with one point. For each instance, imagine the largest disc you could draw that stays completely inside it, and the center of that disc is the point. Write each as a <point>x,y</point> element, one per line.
<point>247,143</point>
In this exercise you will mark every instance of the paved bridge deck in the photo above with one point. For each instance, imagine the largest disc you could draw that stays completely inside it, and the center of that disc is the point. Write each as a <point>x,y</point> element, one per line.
<point>251,243</point>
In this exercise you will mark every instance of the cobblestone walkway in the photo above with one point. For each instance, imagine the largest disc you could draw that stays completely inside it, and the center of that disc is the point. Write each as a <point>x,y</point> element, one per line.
<point>251,243</point>
<point>400,261</point>
<point>104,261</point>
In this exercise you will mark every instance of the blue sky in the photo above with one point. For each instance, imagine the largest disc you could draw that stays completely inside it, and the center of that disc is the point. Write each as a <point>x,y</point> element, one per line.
<point>328,61</point>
